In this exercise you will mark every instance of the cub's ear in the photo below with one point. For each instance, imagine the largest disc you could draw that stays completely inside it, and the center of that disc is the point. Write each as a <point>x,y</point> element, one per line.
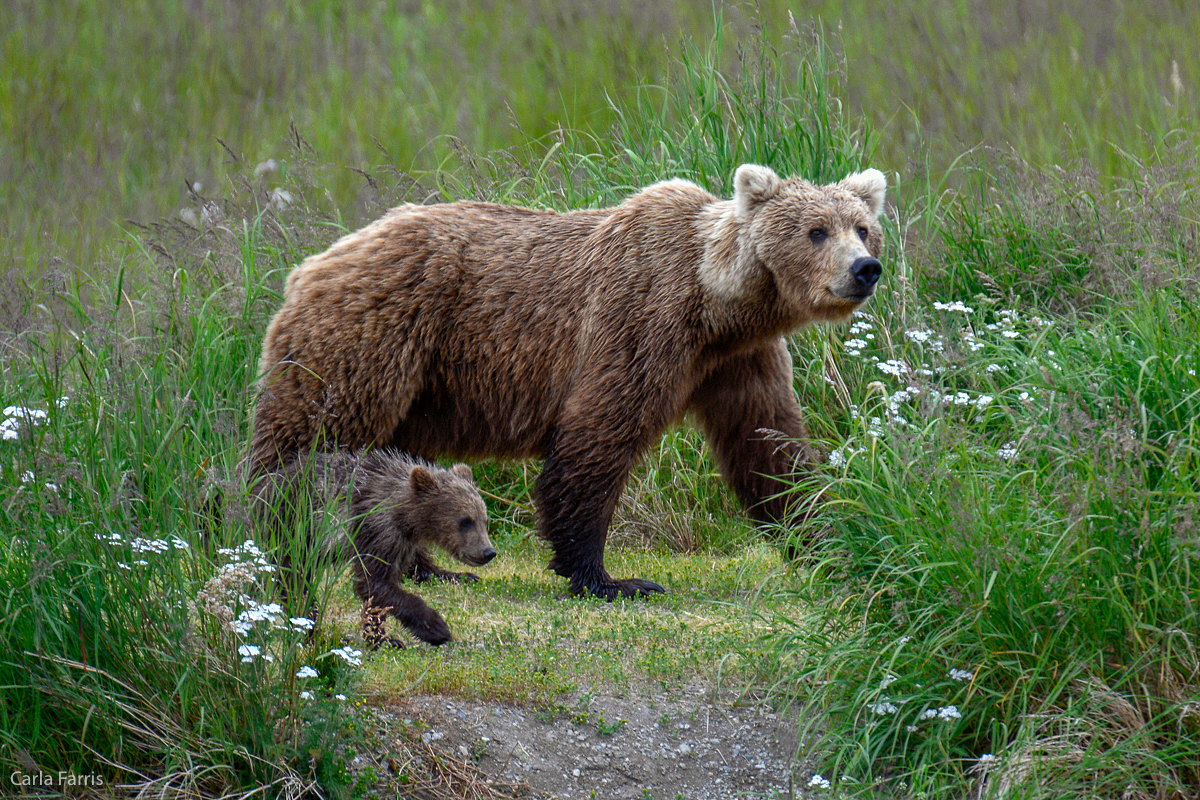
<point>462,471</point>
<point>421,480</point>
<point>870,186</point>
<point>752,186</point>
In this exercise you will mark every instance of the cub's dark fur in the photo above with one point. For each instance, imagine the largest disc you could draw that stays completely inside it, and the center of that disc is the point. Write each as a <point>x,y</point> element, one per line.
<point>395,506</point>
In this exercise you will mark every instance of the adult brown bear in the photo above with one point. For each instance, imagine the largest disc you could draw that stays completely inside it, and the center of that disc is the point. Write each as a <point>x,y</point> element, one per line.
<point>471,329</point>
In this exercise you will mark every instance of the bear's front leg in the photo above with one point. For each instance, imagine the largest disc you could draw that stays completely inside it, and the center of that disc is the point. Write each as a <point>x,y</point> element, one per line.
<point>375,582</point>
<point>577,492</point>
<point>753,423</point>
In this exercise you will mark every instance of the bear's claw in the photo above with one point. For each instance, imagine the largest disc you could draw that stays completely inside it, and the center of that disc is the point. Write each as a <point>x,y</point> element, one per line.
<point>612,588</point>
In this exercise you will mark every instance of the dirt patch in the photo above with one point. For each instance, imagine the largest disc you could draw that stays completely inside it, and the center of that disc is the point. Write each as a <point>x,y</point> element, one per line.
<point>687,744</point>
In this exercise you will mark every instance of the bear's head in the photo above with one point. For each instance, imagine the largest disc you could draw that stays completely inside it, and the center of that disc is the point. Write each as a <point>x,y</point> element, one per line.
<point>451,512</point>
<point>819,244</point>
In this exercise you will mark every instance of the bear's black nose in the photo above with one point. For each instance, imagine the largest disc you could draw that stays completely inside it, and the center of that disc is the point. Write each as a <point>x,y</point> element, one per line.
<point>866,270</point>
<point>488,555</point>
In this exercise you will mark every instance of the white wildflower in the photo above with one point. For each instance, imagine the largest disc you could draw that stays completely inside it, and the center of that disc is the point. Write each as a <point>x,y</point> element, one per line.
<point>817,782</point>
<point>340,696</point>
<point>1011,334</point>
<point>910,728</point>
<point>957,305</point>
<point>249,652</point>
<point>306,695</point>
<point>887,681</point>
<point>961,675</point>
<point>884,706</point>
<point>1008,451</point>
<point>349,655</point>
<point>302,623</point>
<point>920,337</point>
<point>14,416</point>
<point>994,368</point>
<point>306,672</point>
<point>948,713</point>
<point>893,367</point>
<point>983,401</point>
<point>280,199</point>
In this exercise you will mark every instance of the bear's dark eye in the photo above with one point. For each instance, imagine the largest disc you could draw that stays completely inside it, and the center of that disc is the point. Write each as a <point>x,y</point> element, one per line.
<point>818,235</point>
<point>863,233</point>
<point>466,523</point>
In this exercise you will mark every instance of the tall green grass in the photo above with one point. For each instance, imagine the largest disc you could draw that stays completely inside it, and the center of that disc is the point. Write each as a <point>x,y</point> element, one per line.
<point>111,113</point>
<point>1003,592</point>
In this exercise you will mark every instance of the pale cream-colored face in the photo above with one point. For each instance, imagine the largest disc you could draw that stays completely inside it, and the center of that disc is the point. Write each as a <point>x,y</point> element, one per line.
<point>821,244</point>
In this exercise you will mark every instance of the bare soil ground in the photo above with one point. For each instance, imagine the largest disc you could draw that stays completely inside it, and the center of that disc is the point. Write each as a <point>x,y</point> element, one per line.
<point>690,744</point>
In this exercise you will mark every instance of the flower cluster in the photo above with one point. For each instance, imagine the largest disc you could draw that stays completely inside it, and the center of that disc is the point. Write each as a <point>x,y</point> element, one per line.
<point>944,713</point>
<point>349,655</point>
<point>916,398</point>
<point>889,706</point>
<point>142,545</point>
<point>14,416</point>
<point>230,587</point>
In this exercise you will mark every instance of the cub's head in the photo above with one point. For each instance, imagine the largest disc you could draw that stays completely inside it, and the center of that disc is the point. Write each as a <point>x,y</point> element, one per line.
<point>452,512</point>
<point>820,244</point>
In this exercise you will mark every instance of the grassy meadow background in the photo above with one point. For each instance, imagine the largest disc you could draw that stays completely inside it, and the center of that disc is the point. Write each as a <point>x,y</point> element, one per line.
<point>1000,598</point>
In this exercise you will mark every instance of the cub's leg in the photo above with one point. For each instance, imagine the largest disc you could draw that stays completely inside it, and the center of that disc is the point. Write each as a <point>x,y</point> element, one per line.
<point>422,568</point>
<point>375,584</point>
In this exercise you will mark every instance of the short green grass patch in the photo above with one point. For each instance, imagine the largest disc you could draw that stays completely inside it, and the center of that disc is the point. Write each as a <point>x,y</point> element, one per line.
<point>520,638</point>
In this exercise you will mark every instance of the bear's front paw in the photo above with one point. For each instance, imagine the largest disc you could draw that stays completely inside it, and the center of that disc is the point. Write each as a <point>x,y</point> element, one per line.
<point>611,588</point>
<point>432,629</point>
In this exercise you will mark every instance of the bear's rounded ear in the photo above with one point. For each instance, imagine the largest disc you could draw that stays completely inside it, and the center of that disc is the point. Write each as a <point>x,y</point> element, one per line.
<point>421,480</point>
<point>752,186</point>
<point>462,471</point>
<point>870,186</point>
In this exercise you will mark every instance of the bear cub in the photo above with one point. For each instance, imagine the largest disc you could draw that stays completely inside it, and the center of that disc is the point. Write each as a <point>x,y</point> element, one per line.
<point>395,506</point>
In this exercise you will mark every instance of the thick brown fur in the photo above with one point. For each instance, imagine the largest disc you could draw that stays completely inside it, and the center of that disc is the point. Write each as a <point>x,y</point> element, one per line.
<point>471,329</point>
<point>395,507</point>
